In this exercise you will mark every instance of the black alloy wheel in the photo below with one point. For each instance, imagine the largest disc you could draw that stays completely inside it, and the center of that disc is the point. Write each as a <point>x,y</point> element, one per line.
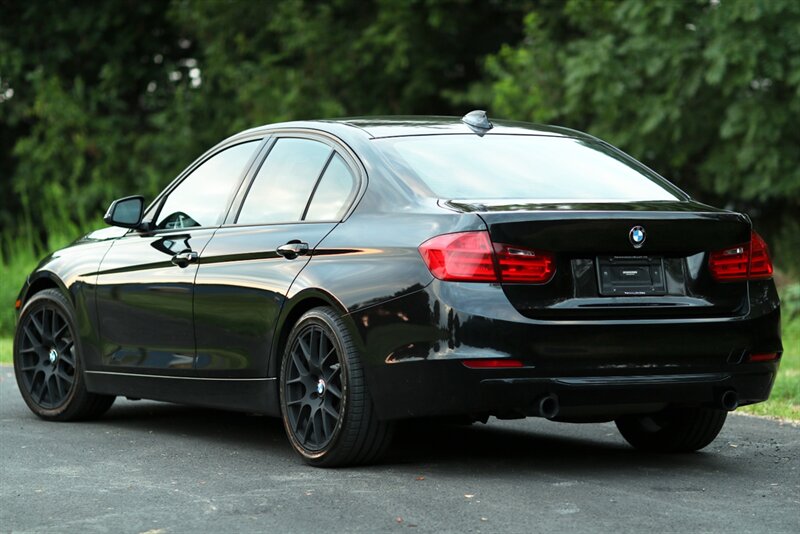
<point>46,356</point>
<point>327,410</point>
<point>314,386</point>
<point>47,361</point>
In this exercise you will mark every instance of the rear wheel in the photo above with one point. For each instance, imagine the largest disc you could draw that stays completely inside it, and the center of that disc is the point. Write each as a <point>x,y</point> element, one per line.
<point>672,430</point>
<point>48,361</point>
<point>327,410</point>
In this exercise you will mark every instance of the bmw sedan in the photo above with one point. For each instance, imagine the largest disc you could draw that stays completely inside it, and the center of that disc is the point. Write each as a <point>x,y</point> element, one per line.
<point>346,274</point>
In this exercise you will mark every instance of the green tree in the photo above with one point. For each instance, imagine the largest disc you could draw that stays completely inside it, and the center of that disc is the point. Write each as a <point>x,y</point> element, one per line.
<point>706,92</point>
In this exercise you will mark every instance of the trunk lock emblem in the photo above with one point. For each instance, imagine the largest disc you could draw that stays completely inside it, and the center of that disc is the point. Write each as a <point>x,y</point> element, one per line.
<point>637,236</point>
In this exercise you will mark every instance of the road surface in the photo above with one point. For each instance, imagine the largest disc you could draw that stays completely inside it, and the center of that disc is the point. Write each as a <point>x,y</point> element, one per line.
<point>161,468</point>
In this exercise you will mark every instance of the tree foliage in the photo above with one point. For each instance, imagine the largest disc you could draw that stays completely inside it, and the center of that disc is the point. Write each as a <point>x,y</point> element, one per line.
<point>103,99</point>
<point>706,92</point>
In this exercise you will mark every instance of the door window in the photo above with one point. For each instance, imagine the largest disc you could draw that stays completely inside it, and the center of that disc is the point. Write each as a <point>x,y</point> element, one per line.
<point>283,185</point>
<point>202,197</point>
<point>332,195</point>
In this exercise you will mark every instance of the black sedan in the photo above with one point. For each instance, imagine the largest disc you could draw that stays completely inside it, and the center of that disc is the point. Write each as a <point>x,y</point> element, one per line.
<point>346,274</point>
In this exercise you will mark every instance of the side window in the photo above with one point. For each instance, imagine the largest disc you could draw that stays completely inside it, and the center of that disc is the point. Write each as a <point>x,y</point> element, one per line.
<point>335,190</point>
<point>201,198</point>
<point>285,181</point>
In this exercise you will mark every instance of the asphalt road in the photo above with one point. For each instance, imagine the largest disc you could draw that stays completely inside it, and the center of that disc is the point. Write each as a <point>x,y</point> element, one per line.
<point>151,467</point>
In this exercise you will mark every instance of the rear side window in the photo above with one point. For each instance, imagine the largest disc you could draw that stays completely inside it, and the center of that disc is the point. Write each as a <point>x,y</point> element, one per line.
<point>333,193</point>
<point>285,181</point>
<point>541,168</point>
<point>202,197</point>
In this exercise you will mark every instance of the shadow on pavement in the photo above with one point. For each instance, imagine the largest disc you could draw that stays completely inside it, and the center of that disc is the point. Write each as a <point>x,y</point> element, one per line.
<point>529,446</point>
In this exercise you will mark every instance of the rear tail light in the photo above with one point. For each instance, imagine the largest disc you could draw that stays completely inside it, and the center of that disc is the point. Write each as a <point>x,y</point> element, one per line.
<point>748,261</point>
<point>472,257</point>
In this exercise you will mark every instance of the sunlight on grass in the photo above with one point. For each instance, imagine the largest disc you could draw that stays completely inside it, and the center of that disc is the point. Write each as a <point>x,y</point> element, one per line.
<point>6,344</point>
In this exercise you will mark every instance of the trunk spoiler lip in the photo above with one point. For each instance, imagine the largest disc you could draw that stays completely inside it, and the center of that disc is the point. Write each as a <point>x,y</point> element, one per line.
<point>634,208</point>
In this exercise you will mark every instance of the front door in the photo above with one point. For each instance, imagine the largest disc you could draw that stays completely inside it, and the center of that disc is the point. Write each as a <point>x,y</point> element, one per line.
<point>145,284</point>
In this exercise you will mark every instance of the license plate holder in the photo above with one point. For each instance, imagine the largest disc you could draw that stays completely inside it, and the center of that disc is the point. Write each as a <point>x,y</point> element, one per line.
<point>631,276</point>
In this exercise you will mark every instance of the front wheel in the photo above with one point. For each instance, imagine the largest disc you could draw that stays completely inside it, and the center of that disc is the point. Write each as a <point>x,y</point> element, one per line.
<point>325,403</point>
<point>673,429</point>
<point>48,361</point>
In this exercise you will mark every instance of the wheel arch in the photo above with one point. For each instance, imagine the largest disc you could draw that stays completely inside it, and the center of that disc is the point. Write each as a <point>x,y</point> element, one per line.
<point>42,280</point>
<point>293,309</point>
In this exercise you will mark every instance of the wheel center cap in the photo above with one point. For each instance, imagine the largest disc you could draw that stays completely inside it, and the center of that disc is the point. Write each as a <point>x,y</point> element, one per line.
<point>53,355</point>
<point>321,387</point>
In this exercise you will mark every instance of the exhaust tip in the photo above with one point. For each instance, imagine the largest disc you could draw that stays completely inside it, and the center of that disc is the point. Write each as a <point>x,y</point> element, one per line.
<point>729,400</point>
<point>548,406</point>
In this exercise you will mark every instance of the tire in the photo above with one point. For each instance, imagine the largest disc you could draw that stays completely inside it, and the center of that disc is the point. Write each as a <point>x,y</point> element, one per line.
<point>48,362</point>
<point>326,407</point>
<point>672,430</point>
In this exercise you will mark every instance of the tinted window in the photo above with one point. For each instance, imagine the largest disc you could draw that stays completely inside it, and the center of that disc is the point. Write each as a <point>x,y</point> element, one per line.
<point>333,192</point>
<point>201,198</point>
<point>284,183</point>
<point>526,167</point>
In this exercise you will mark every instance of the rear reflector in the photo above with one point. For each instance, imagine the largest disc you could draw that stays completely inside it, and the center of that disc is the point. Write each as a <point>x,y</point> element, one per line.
<point>472,257</point>
<point>491,363</point>
<point>765,357</point>
<point>748,261</point>
<point>17,304</point>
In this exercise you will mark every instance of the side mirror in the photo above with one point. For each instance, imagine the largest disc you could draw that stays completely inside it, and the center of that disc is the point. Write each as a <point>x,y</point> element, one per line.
<point>125,212</point>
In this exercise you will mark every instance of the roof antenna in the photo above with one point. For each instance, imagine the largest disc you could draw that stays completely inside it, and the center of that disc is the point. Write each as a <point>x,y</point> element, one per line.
<point>478,121</point>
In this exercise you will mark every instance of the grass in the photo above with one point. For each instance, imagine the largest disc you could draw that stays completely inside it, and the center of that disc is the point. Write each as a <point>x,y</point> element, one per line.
<point>6,346</point>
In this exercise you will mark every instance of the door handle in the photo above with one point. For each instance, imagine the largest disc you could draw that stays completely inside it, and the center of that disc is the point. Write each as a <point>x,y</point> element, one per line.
<point>292,249</point>
<point>183,259</point>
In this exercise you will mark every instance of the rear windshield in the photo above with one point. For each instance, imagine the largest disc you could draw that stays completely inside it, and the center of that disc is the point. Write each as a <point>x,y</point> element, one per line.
<point>531,167</point>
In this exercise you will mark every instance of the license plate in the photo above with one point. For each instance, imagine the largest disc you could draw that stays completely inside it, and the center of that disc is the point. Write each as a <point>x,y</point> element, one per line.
<point>620,276</point>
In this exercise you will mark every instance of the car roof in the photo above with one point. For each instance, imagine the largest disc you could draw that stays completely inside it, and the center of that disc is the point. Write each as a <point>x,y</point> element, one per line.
<point>399,126</point>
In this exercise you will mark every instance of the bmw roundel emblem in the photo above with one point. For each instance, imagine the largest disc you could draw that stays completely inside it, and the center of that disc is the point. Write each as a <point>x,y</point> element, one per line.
<point>637,236</point>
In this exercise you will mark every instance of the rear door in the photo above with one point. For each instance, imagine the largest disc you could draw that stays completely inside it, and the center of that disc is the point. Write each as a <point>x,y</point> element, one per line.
<point>145,283</point>
<point>299,194</point>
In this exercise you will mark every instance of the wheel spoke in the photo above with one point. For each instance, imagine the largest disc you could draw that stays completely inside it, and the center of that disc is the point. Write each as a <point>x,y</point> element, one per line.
<point>60,330</point>
<point>52,323</point>
<point>41,390</point>
<point>321,347</point>
<point>335,371</point>
<point>305,348</point>
<point>327,355</point>
<point>329,409</point>
<point>29,367</point>
<point>32,337</point>
<point>318,430</point>
<point>66,377</point>
<point>300,364</point>
<point>309,424</point>
<point>57,380</point>
<point>334,390</point>
<point>38,326</point>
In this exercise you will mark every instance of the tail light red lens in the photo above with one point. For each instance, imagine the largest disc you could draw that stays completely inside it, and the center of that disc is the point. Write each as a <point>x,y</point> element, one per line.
<point>524,265</point>
<point>748,261</point>
<point>465,256</point>
<point>472,257</point>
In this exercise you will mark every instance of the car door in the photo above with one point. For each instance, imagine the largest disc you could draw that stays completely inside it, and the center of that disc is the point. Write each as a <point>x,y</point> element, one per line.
<point>296,198</point>
<point>145,281</point>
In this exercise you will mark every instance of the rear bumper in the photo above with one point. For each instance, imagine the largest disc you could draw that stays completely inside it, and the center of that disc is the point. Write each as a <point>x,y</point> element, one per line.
<point>413,347</point>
